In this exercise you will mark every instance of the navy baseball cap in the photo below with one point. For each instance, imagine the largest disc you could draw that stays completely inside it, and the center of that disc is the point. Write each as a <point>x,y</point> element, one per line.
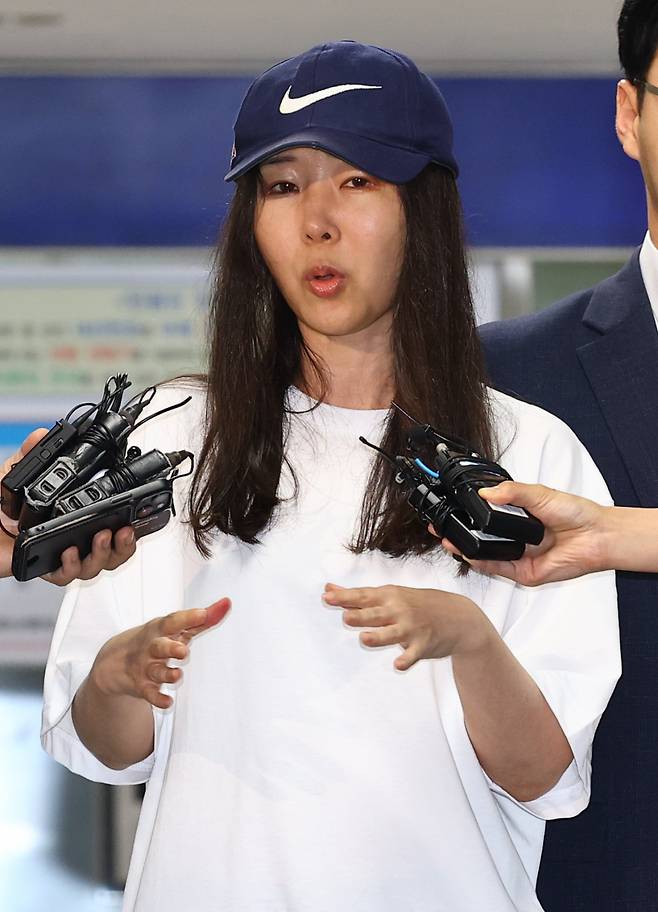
<point>367,105</point>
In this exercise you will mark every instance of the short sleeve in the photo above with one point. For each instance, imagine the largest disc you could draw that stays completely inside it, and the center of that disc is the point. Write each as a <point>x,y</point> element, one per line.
<point>566,634</point>
<point>89,616</point>
<point>94,611</point>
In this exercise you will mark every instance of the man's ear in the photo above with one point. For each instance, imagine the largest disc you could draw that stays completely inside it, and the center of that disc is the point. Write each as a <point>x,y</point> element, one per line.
<point>627,120</point>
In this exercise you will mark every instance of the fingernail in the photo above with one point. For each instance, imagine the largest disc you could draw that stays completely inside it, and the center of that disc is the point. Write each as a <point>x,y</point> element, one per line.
<point>130,539</point>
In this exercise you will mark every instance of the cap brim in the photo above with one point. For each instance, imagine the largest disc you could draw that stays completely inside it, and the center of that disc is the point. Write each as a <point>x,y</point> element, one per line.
<point>389,163</point>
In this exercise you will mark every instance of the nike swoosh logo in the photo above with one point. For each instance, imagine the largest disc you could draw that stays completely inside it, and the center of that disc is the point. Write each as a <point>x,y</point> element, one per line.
<point>292,105</point>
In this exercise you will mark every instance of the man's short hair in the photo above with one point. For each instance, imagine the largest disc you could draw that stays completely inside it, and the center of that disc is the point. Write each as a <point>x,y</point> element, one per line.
<point>638,39</point>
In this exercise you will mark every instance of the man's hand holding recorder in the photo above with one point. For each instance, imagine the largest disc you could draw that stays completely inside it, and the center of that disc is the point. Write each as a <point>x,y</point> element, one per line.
<point>108,550</point>
<point>76,498</point>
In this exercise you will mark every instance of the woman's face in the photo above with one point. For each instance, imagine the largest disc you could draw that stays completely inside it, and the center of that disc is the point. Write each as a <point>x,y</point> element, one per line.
<point>333,238</point>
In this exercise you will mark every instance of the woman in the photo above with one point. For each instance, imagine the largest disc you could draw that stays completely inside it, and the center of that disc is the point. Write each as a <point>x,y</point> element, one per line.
<point>297,768</point>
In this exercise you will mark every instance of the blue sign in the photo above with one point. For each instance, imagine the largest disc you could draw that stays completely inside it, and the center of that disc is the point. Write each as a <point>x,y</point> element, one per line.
<point>97,161</point>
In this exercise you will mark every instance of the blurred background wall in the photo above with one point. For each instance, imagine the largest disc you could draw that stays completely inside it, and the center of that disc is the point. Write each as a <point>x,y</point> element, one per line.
<point>115,132</point>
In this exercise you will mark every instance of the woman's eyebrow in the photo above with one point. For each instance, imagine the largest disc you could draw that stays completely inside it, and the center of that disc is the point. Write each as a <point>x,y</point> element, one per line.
<point>279,160</point>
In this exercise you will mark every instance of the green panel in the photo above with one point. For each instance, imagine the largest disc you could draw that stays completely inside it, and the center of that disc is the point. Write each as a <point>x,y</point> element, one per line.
<point>554,280</point>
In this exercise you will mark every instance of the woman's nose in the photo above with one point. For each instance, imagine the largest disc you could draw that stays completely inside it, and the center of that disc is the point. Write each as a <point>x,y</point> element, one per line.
<point>320,215</point>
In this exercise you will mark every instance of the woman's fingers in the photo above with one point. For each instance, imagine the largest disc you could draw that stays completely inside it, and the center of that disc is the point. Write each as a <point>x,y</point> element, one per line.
<point>167,648</point>
<point>152,695</point>
<point>191,621</point>
<point>152,669</point>
<point>139,661</point>
<point>363,606</point>
<point>383,636</point>
<point>364,597</point>
<point>366,617</point>
<point>408,658</point>
<point>177,629</point>
<point>160,673</point>
<point>216,613</point>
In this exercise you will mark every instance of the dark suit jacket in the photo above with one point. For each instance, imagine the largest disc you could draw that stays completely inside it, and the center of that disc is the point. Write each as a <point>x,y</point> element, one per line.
<point>593,361</point>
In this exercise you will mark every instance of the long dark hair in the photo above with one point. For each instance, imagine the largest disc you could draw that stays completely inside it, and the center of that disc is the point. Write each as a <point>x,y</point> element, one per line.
<point>257,352</point>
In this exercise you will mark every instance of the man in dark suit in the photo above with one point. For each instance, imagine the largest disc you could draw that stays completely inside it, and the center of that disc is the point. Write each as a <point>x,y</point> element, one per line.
<point>593,361</point>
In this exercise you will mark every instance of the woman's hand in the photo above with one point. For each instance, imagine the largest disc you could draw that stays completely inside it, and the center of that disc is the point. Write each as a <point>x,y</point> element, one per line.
<point>516,737</point>
<point>574,542</point>
<point>427,623</point>
<point>134,663</point>
<point>108,551</point>
<point>112,709</point>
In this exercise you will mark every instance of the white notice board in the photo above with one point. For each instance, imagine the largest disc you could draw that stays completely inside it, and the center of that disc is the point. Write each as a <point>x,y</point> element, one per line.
<point>68,320</point>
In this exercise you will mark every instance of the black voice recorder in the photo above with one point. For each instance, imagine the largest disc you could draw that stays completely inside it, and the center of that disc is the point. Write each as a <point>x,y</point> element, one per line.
<point>79,480</point>
<point>446,495</point>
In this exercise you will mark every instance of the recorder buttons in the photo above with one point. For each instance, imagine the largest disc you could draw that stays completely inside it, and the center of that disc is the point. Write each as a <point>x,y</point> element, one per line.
<point>147,509</point>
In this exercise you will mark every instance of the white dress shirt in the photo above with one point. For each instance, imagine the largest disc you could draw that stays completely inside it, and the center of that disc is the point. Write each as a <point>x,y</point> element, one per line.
<point>649,270</point>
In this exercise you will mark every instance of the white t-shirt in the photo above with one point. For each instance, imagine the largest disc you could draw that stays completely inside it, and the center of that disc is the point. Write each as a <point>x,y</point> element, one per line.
<point>298,770</point>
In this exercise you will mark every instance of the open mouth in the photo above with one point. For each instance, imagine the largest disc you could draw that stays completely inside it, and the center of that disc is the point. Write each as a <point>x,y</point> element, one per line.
<point>325,281</point>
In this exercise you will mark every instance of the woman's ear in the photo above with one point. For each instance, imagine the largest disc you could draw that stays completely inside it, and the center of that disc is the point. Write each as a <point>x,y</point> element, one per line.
<point>627,120</point>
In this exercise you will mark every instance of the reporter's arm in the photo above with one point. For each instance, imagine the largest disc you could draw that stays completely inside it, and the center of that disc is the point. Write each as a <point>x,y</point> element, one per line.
<point>630,539</point>
<point>581,536</point>
<point>6,539</point>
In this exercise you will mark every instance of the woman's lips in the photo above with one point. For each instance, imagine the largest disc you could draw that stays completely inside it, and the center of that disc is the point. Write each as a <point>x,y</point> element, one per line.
<point>325,281</point>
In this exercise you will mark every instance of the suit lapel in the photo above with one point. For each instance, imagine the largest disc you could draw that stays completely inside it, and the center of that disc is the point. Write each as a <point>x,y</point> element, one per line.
<point>622,369</point>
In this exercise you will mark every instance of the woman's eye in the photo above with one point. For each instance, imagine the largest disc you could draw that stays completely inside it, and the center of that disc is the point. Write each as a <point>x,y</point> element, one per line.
<point>281,188</point>
<point>358,182</point>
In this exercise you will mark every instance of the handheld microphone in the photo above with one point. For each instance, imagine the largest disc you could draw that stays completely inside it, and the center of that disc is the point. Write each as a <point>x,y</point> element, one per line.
<point>98,448</point>
<point>447,496</point>
<point>66,498</point>
<point>433,504</point>
<point>125,477</point>
<point>24,473</point>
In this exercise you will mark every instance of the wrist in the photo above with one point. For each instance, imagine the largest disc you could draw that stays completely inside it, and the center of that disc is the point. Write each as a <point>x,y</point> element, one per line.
<point>606,534</point>
<point>106,677</point>
<point>98,681</point>
<point>479,633</point>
